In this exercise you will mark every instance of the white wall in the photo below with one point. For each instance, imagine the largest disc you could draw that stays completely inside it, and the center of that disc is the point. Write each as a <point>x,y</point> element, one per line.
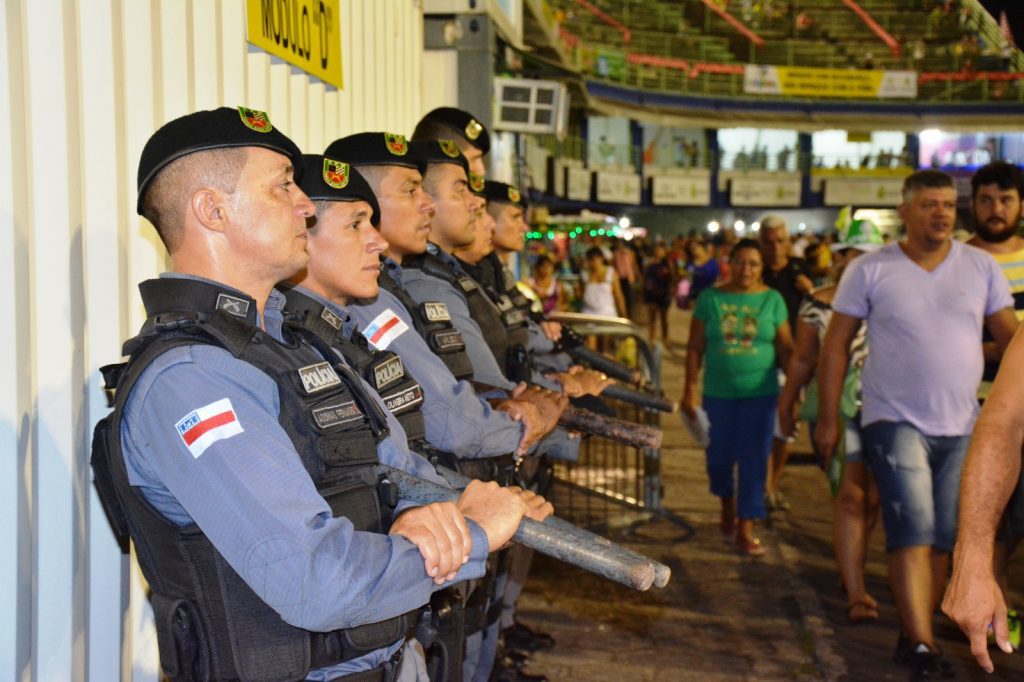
<point>82,86</point>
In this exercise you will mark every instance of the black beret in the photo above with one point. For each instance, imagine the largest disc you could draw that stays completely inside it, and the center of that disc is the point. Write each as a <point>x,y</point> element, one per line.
<point>439,151</point>
<point>216,129</point>
<point>325,179</point>
<point>500,192</point>
<point>463,123</point>
<point>374,149</point>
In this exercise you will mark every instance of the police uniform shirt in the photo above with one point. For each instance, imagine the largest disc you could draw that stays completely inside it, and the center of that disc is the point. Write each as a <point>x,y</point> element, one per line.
<point>250,494</point>
<point>456,419</point>
<point>425,287</point>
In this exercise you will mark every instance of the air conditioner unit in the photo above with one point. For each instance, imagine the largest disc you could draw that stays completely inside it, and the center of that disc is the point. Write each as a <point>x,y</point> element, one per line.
<point>524,105</point>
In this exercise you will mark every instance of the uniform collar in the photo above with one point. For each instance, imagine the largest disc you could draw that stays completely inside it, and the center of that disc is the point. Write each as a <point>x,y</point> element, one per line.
<point>302,300</point>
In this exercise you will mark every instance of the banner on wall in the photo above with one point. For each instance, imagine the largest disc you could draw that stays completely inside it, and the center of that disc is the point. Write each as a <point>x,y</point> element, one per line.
<point>577,184</point>
<point>805,81</point>
<point>761,192</point>
<point>681,190</point>
<point>618,188</point>
<point>304,33</point>
<point>863,192</point>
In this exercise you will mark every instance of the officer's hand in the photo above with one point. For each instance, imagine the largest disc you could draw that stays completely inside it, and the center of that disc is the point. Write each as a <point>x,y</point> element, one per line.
<point>550,404</point>
<point>591,381</point>
<point>497,510</point>
<point>551,329</point>
<point>529,416</point>
<point>441,534</point>
<point>975,603</point>
<point>570,385</point>
<point>538,508</point>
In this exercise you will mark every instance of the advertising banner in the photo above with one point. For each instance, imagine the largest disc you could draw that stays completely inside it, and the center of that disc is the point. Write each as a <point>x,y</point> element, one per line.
<point>804,81</point>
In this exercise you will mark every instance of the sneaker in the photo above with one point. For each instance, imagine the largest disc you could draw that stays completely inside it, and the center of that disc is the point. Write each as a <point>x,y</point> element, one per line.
<point>927,663</point>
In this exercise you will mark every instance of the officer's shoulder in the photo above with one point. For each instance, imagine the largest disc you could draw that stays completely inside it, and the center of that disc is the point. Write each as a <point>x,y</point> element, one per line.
<point>189,363</point>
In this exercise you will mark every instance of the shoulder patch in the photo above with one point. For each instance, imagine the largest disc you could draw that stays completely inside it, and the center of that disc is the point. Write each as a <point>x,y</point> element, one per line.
<point>204,426</point>
<point>330,318</point>
<point>384,329</point>
<point>239,307</point>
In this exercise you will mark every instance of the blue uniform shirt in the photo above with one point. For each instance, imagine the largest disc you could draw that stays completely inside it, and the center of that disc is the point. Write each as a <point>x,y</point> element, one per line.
<point>457,419</point>
<point>250,494</point>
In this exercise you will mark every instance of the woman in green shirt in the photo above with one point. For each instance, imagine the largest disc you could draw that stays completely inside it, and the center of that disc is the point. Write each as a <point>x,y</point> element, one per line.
<point>740,329</point>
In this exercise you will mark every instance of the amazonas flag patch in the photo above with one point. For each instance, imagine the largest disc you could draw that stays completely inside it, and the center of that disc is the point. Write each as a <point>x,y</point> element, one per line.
<point>203,427</point>
<point>384,329</point>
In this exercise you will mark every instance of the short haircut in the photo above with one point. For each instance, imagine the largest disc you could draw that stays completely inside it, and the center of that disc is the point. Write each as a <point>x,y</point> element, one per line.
<point>167,196</point>
<point>925,179</point>
<point>773,221</point>
<point>374,176</point>
<point>430,179</point>
<point>1004,175</point>
<point>745,243</point>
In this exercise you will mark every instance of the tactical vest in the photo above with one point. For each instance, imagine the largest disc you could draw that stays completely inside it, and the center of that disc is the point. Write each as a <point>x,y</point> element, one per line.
<point>210,624</point>
<point>494,283</point>
<point>382,369</point>
<point>438,264</point>
<point>434,325</point>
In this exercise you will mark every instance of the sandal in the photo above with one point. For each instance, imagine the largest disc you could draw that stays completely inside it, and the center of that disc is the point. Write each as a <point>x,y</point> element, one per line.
<point>749,546</point>
<point>861,612</point>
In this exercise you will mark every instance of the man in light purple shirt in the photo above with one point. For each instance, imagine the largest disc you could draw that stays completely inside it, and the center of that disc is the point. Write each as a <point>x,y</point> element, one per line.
<point>925,300</point>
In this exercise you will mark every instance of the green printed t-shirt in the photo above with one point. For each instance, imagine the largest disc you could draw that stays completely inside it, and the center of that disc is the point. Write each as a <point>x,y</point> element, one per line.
<point>739,330</point>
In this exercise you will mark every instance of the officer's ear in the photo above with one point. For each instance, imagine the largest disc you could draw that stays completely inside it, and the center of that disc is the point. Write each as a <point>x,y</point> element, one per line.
<point>209,209</point>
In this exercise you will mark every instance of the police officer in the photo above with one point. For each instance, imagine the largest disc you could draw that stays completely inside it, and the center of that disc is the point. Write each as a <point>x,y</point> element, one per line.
<point>239,456</point>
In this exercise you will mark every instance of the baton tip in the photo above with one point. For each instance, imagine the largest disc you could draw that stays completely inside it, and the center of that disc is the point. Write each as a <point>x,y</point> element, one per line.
<point>642,577</point>
<point>662,574</point>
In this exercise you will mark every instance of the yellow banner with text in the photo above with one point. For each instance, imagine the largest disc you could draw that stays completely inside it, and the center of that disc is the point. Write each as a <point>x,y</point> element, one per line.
<point>803,81</point>
<point>304,33</point>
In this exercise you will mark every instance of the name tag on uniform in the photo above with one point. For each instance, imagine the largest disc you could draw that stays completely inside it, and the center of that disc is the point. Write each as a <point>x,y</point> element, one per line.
<point>388,373</point>
<point>467,284</point>
<point>335,415</point>
<point>410,396</point>
<point>435,311</point>
<point>448,340</point>
<point>318,377</point>
<point>514,317</point>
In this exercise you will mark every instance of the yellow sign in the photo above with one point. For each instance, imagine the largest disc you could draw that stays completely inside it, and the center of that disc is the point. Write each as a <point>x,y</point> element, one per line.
<point>305,33</point>
<point>802,81</point>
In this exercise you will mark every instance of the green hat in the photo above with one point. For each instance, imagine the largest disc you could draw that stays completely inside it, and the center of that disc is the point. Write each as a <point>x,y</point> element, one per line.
<point>327,179</point>
<point>862,235</point>
<point>205,130</point>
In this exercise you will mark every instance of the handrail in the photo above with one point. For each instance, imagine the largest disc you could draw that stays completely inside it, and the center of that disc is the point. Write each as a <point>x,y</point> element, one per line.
<point>734,22</point>
<point>627,35</point>
<point>891,42</point>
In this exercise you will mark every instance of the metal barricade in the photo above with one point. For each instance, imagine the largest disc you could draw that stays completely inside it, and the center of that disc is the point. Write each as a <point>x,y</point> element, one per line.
<point>612,485</point>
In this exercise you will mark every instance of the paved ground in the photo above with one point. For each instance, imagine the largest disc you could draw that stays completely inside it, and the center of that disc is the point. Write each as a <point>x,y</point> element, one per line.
<point>726,617</point>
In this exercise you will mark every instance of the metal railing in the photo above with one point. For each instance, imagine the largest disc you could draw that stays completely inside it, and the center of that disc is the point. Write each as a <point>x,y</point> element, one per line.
<point>612,486</point>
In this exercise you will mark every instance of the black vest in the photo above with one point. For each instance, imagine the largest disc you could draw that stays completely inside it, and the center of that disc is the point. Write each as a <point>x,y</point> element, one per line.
<point>210,624</point>
<point>484,312</point>
<point>433,324</point>
<point>382,369</point>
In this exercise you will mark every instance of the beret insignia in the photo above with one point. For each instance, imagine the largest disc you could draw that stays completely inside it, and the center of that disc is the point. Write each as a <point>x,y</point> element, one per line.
<point>255,120</point>
<point>449,148</point>
<point>396,144</point>
<point>473,129</point>
<point>513,195</point>
<point>476,182</point>
<point>335,173</point>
